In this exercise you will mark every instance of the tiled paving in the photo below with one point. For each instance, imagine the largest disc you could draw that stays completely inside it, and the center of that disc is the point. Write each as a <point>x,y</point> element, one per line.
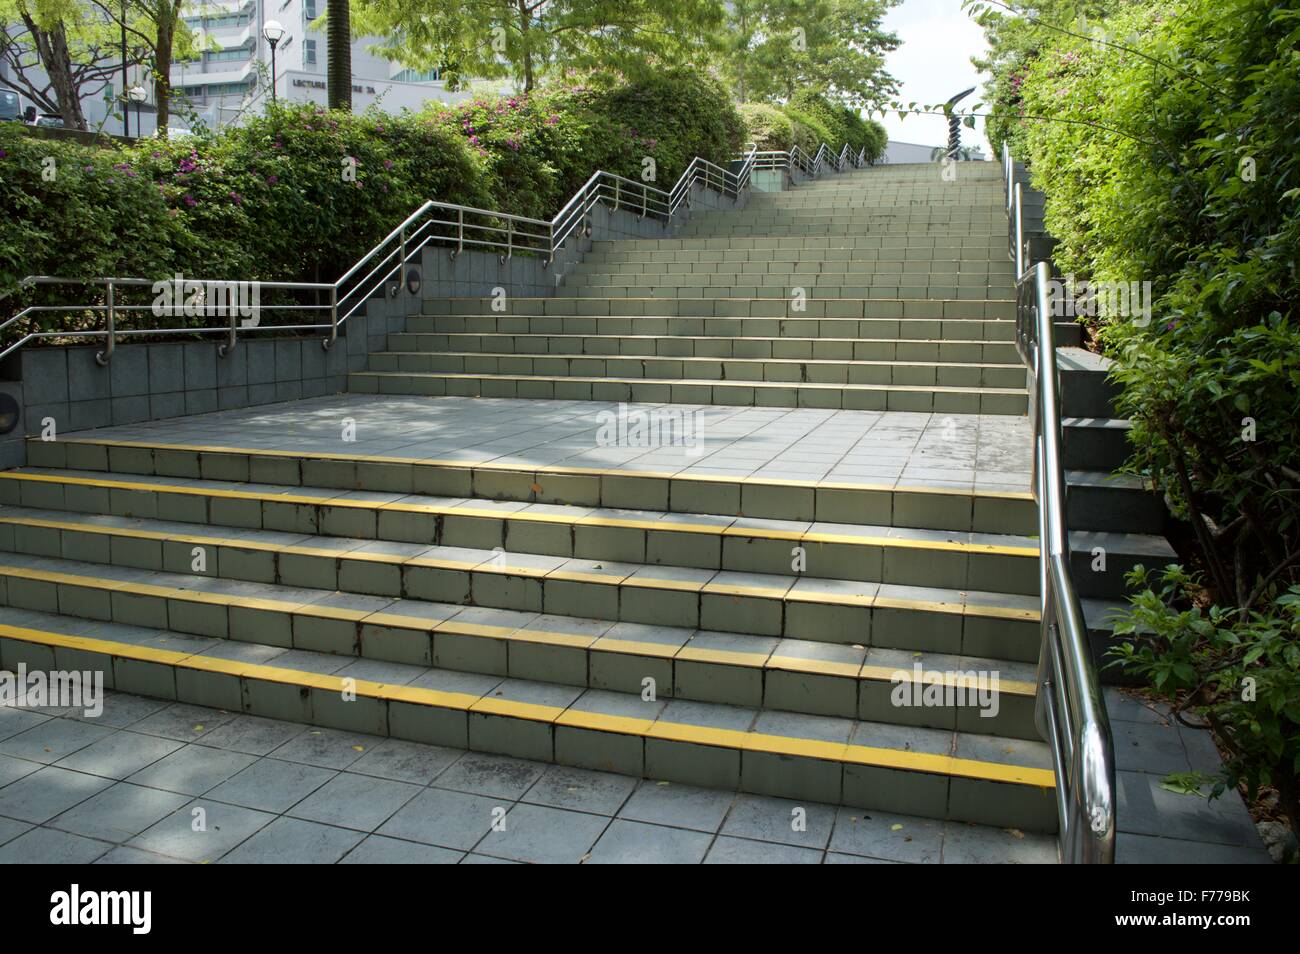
<point>132,786</point>
<point>126,787</point>
<point>988,452</point>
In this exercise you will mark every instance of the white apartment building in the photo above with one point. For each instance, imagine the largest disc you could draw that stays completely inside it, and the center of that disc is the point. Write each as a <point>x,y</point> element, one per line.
<point>231,78</point>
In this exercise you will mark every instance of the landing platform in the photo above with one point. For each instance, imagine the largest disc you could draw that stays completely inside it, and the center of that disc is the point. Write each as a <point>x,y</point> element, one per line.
<point>890,448</point>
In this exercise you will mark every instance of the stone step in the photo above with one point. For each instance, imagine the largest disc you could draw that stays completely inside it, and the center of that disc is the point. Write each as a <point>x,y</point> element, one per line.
<point>945,507</point>
<point>763,287</point>
<point>816,678</point>
<point>739,605</point>
<point>965,270</point>
<point>950,374</point>
<point>1002,354</point>
<point>709,543</point>
<point>992,248</point>
<point>963,331</point>
<point>862,397</point>
<point>945,774</point>
<point>1095,443</point>
<point>811,309</point>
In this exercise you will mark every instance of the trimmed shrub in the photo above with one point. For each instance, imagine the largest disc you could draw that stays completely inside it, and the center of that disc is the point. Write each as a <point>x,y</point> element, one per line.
<point>767,126</point>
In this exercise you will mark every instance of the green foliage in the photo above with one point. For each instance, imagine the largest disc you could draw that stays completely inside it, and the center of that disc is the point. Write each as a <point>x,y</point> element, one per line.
<point>771,49</point>
<point>841,124</point>
<point>767,126</point>
<point>302,192</point>
<point>1167,139</point>
<point>527,40</point>
<point>1239,673</point>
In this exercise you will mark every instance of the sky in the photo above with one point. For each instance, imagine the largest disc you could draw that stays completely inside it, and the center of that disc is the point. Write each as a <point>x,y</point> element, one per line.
<point>932,64</point>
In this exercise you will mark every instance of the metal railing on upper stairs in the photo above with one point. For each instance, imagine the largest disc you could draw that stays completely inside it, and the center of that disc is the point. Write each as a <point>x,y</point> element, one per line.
<point>1070,711</point>
<point>445,223</point>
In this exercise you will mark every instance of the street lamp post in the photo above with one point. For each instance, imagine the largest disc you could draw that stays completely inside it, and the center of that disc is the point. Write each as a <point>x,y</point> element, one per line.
<point>137,95</point>
<point>273,32</point>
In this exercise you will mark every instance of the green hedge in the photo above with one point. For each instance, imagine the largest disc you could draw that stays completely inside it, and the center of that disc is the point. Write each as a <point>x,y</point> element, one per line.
<point>1177,161</point>
<point>302,193</point>
<point>808,121</point>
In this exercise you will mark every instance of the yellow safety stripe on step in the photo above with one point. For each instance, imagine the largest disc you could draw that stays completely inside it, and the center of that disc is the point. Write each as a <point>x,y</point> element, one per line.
<point>947,678</point>
<point>450,626</point>
<point>715,529</point>
<point>543,470</point>
<point>647,581</point>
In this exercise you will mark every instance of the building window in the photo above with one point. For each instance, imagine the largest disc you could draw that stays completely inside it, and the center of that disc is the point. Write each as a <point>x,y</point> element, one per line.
<point>418,76</point>
<point>309,52</point>
<point>224,56</point>
<point>309,11</point>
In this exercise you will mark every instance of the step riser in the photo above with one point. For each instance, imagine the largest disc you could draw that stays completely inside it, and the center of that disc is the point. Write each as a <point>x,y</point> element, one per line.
<point>829,397</point>
<point>1095,447</point>
<point>649,346</point>
<point>733,370</point>
<point>955,330</point>
<point>761,681</point>
<point>784,290</point>
<point>908,566</point>
<point>878,506</point>
<point>649,310</point>
<point>638,750</point>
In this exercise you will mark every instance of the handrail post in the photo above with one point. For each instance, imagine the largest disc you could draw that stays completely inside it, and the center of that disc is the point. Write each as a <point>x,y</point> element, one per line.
<point>110,341</point>
<point>1019,255</point>
<point>334,318</point>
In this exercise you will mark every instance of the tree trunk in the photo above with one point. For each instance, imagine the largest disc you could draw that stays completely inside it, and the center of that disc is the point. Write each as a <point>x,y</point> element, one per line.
<point>339,80</point>
<point>162,74</point>
<point>525,15</point>
<point>52,48</point>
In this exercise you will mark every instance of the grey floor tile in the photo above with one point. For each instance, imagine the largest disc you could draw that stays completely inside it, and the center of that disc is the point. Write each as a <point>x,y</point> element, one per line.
<point>326,748</point>
<point>14,720</point>
<point>192,770</point>
<point>1131,849</point>
<point>183,722</point>
<point>680,806</point>
<point>742,851</point>
<point>201,831</point>
<point>122,709</point>
<point>602,793</point>
<point>378,850</point>
<point>118,813</point>
<point>888,837</point>
<point>780,820</point>
<point>271,785</point>
<point>540,835</point>
<point>45,846</point>
<point>53,739</point>
<point>1147,807</point>
<point>495,776</point>
<point>448,819</point>
<point>977,844</point>
<point>47,792</point>
<point>293,841</point>
<point>362,802</point>
<point>473,859</point>
<point>12,769</point>
<point>120,754</point>
<point>252,734</point>
<point>11,828</point>
<point>630,842</point>
<point>406,761</point>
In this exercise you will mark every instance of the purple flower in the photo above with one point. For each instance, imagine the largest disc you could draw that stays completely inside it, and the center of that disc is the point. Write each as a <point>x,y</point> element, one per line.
<point>190,200</point>
<point>272,180</point>
<point>236,198</point>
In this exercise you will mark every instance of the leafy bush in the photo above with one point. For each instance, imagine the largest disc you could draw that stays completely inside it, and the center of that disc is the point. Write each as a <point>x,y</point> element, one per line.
<point>767,126</point>
<point>1170,152</point>
<point>302,193</point>
<point>1238,672</point>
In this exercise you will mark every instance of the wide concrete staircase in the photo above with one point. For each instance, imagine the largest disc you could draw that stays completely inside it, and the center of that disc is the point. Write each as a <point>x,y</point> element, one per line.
<point>802,638</point>
<point>872,290</point>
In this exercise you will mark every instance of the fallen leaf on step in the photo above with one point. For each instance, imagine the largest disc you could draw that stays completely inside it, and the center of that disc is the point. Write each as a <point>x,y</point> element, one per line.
<point>1016,833</point>
<point>358,748</point>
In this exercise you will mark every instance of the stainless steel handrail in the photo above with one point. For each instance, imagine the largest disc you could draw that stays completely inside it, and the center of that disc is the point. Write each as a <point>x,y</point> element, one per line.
<point>1070,711</point>
<point>445,222</point>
